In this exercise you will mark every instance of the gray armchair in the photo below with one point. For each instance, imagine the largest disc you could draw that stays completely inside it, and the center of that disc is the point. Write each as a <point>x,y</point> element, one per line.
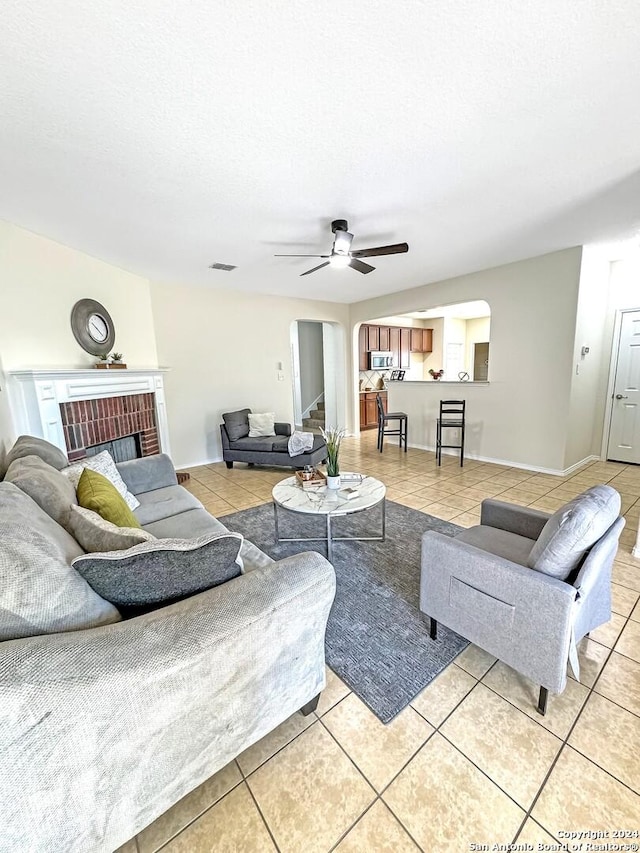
<point>524,585</point>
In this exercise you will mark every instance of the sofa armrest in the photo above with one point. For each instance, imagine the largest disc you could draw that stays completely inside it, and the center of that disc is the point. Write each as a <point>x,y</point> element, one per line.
<point>148,473</point>
<point>127,721</point>
<point>520,616</point>
<point>224,436</point>
<point>514,518</point>
<point>282,429</point>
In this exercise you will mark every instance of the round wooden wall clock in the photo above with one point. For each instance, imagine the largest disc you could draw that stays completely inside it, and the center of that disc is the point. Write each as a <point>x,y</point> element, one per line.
<point>93,327</point>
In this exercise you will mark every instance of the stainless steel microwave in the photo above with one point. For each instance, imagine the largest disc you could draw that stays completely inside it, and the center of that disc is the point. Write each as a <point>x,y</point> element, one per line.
<point>381,360</point>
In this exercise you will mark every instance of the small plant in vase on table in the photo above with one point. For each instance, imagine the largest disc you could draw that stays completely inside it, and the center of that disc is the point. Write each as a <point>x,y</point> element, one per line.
<point>333,438</point>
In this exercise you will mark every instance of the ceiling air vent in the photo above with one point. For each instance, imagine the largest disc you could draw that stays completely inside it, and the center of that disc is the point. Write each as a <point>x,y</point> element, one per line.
<point>225,267</point>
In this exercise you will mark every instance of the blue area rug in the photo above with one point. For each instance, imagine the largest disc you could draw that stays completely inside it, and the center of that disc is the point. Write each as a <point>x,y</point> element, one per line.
<point>377,638</point>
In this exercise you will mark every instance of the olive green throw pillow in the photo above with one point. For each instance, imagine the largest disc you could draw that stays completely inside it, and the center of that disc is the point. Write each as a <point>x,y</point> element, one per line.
<point>97,493</point>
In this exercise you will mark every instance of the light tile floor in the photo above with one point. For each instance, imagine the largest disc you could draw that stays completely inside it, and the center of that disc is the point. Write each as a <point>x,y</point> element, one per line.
<point>469,761</point>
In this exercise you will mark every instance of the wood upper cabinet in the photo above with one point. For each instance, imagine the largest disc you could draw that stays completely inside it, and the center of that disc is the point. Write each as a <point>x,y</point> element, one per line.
<point>363,340</point>
<point>385,345</point>
<point>405,348</point>
<point>394,344</point>
<point>421,340</point>
<point>373,338</point>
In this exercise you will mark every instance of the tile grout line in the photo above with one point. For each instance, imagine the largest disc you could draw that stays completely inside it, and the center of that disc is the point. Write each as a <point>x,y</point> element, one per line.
<point>264,820</point>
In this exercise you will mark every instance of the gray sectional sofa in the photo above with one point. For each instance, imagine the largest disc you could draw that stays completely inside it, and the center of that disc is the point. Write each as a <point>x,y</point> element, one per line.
<point>107,723</point>
<point>239,446</point>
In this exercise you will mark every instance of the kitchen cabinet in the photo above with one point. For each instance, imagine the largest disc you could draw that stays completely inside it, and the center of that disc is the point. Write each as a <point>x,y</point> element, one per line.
<point>362,347</point>
<point>394,344</point>
<point>421,340</point>
<point>369,408</point>
<point>405,349</point>
<point>373,338</point>
<point>384,338</point>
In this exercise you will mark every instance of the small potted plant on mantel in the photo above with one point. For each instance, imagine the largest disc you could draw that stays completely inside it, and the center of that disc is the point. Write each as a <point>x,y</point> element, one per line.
<point>116,360</point>
<point>103,364</point>
<point>436,374</point>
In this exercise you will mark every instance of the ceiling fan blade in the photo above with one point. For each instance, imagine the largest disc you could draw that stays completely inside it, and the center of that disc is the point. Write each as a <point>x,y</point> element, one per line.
<point>325,264</point>
<point>355,264</point>
<point>302,256</point>
<point>395,249</point>
<point>342,243</point>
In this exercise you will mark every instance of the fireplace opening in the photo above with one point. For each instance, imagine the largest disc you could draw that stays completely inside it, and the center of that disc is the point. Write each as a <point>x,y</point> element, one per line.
<point>121,449</point>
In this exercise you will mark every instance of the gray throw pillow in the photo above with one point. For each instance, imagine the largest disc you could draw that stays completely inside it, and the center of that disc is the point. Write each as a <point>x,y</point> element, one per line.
<point>39,591</point>
<point>160,572</point>
<point>30,445</point>
<point>237,424</point>
<point>52,491</point>
<point>573,529</point>
<point>95,533</point>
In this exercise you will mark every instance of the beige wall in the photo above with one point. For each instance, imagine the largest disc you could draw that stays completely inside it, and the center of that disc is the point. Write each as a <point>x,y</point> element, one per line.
<point>41,282</point>
<point>224,349</point>
<point>478,332</point>
<point>522,416</point>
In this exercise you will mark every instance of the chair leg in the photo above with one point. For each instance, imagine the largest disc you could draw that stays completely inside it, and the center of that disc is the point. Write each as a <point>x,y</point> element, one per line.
<point>433,629</point>
<point>542,701</point>
<point>381,436</point>
<point>406,430</point>
<point>462,447</point>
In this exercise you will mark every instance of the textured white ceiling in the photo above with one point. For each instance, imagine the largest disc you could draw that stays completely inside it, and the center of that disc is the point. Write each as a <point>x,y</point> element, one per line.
<point>162,135</point>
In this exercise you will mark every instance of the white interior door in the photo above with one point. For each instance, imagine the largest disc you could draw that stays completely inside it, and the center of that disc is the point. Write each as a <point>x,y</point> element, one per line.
<point>624,434</point>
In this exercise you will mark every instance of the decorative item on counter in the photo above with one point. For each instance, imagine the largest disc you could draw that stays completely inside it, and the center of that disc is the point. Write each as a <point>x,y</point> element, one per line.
<point>104,361</point>
<point>463,376</point>
<point>116,360</point>
<point>397,375</point>
<point>436,374</point>
<point>333,437</point>
<point>380,384</point>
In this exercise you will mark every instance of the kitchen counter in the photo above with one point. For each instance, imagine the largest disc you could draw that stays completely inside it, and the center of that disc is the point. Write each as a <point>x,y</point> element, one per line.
<point>373,391</point>
<point>396,382</point>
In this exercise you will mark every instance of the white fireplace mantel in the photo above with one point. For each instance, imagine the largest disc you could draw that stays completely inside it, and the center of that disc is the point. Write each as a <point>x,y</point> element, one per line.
<point>35,396</point>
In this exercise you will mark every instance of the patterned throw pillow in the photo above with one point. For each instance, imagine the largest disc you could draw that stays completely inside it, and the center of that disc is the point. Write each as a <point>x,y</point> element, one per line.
<point>99,494</point>
<point>95,533</point>
<point>160,572</point>
<point>102,463</point>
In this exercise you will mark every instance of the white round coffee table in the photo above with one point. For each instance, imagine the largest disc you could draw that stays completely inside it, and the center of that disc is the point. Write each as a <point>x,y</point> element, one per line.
<point>289,494</point>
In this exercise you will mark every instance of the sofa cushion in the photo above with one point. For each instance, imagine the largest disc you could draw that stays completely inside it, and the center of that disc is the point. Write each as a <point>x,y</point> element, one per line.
<point>259,444</point>
<point>261,424</point>
<point>503,544</point>
<point>163,503</point>
<point>573,529</point>
<point>237,424</point>
<point>45,484</point>
<point>102,463</point>
<point>95,533</point>
<point>280,444</point>
<point>198,522</point>
<point>40,593</point>
<point>163,571</point>
<point>99,494</point>
<point>29,445</point>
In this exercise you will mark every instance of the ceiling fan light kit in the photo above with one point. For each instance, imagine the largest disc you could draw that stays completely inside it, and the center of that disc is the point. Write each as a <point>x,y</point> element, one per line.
<point>341,255</point>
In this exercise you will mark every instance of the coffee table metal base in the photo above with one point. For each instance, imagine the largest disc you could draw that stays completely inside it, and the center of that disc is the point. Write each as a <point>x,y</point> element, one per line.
<point>329,539</point>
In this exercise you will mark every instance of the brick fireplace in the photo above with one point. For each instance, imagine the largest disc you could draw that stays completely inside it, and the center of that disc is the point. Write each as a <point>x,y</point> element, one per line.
<point>86,423</point>
<point>78,409</point>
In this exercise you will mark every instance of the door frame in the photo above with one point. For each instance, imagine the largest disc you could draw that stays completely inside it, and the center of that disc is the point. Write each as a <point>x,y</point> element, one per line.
<point>613,367</point>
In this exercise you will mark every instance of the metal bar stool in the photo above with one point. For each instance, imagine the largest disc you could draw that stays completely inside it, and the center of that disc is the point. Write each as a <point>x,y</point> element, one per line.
<point>451,415</point>
<point>383,420</point>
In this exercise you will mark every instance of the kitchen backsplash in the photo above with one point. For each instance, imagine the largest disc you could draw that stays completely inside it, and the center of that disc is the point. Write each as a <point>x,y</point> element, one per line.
<point>370,379</point>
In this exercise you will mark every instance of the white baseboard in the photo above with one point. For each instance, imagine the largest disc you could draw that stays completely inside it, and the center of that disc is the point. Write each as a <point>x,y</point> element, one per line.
<point>511,464</point>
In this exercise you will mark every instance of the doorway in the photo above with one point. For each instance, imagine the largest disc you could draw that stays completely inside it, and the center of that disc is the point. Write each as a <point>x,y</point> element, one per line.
<point>624,429</point>
<point>317,355</point>
<point>481,362</point>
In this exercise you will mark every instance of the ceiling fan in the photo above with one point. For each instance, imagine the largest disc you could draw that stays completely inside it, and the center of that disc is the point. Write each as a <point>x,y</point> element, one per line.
<point>341,254</point>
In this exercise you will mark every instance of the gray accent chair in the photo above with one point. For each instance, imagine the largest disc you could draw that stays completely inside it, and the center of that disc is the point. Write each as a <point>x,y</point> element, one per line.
<point>238,446</point>
<point>494,583</point>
